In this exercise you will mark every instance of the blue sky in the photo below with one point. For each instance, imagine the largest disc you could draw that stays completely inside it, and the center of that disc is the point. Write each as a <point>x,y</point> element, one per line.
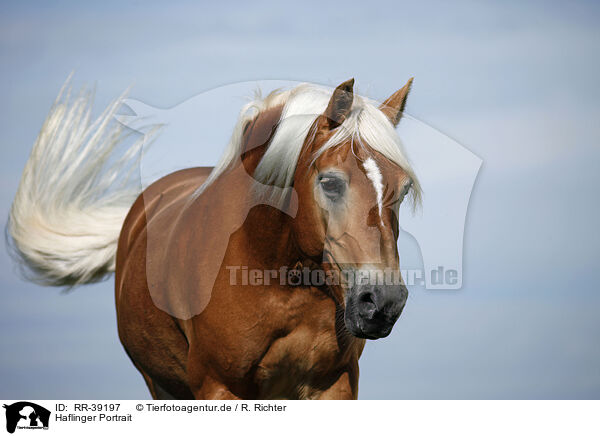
<point>515,82</point>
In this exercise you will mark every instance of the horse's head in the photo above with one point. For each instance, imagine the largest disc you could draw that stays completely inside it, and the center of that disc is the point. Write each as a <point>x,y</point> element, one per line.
<point>350,179</point>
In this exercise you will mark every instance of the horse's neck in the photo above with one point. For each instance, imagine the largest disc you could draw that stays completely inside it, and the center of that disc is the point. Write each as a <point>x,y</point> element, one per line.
<point>239,212</point>
<point>267,210</point>
<point>268,232</point>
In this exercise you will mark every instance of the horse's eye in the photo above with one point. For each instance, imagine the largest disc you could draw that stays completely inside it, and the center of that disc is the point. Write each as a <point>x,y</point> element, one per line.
<point>332,187</point>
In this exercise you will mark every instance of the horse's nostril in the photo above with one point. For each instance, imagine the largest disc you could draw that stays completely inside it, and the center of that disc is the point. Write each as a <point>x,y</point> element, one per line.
<point>366,305</point>
<point>366,297</point>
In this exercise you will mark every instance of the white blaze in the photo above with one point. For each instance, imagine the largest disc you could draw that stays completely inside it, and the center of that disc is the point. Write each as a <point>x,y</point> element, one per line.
<point>376,179</point>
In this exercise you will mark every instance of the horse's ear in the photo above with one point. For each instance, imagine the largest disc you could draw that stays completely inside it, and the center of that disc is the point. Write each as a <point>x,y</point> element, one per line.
<point>339,105</point>
<point>394,105</point>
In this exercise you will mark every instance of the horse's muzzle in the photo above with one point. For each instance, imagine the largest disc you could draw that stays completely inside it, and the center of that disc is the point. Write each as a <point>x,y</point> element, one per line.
<point>372,310</point>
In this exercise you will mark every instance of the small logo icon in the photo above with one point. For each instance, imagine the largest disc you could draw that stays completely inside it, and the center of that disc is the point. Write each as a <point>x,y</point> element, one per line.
<point>26,415</point>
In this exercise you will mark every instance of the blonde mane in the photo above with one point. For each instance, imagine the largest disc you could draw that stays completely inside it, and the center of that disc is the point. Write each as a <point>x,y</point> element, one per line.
<point>365,125</point>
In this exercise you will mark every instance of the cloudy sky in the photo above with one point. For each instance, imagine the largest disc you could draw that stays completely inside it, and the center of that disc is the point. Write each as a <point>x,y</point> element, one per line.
<point>514,82</point>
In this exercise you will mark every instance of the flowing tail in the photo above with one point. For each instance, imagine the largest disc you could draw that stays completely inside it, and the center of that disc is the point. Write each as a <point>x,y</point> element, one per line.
<point>74,194</point>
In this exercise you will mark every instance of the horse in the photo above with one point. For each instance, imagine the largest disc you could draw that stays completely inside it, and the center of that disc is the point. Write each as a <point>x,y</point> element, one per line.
<point>249,280</point>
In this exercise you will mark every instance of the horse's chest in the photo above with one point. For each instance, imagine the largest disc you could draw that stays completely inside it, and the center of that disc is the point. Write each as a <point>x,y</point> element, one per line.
<point>288,350</point>
<point>300,365</point>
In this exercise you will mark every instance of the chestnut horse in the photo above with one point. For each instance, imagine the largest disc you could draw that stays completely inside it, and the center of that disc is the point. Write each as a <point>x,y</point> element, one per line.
<point>216,294</point>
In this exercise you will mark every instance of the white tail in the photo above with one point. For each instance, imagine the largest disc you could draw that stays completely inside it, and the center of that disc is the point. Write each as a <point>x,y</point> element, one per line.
<point>74,194</point>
